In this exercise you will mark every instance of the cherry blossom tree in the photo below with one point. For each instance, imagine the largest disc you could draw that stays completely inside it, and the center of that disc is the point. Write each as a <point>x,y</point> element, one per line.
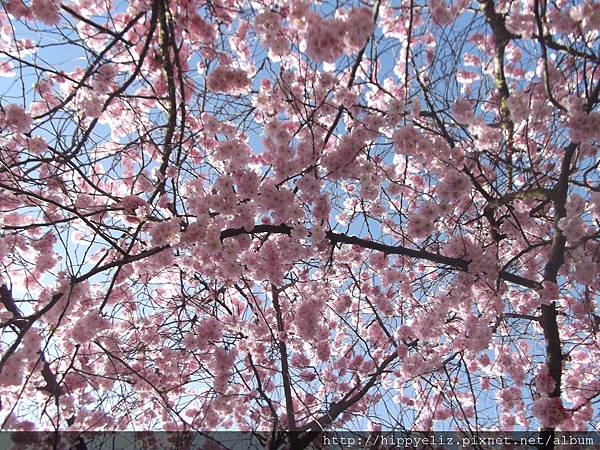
<point>299,216</point>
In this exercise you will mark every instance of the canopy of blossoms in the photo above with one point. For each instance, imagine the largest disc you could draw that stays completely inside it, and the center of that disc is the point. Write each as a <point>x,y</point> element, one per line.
<point>296,216</point>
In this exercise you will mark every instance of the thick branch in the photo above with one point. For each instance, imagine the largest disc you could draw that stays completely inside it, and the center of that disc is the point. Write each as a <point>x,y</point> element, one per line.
<point>541,40</point>
<point>164,38</point>
<point>52,385</point>
<point>548,320</point>
<point>501,38</point>
<point>314,428</point>
<point>285,370</point>
<point>338,238</point>
<point>101,28</point>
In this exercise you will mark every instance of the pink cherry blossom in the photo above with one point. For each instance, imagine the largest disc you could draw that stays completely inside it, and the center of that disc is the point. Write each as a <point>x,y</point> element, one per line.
<point>228,80</point>
<point>16,119</point>
<point>46,11</point>
<point>463,111</point>
<point>440,12</point>
<point>292,216</point>
<point>550,411</point>
<point>17,8</point>
<point>544,382</point>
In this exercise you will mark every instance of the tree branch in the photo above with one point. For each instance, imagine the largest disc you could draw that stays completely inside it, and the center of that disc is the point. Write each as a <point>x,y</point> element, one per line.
<point>285,370</point>
<point>52,384</point>
<point>501,38</point>
<point>338,238</point>
<point>548,319</point>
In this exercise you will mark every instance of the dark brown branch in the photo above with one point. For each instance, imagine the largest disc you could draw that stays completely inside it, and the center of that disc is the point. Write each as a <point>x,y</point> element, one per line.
<point>542,41</point>
<point>548,320</point>
<point>338,238</point>
<point>164,39</point>
<point>261,391</point>
<point>501,38</point>
<point>353,71</point>
<point>315,427</point>
<point>551,43</point>
<point>285,370</point>
<point>121,89</point>
<point>97,26</point>
<point>52,385</point>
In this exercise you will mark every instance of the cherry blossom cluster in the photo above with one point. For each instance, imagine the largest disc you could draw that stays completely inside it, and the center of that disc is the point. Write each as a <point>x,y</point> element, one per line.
<point>228,80</point>
<point>266,215</point>
<point>328,39</point>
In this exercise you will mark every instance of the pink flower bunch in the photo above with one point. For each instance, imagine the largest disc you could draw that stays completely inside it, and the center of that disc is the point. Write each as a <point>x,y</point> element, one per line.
<point>325,39</point>
<point>12,372</point>
<point>278,131</point>
<point>572,227</point>
<point>421,223</point>
<point>407,140</point>
<point>453,186</point>
<point>200,29</point>
<point>247,182</point>
<point>103,78</point>
<point>45,262</point>
<point>463,111</point>
<point>522,23</point>
<point>20,363</point>
<point>479,335</point>
<point>222,363</point>
<point>322,207</point>
<point>440,12</point>
<point>90,103</point>
<point>268,263</point>
<point>376,335</point>
<point>582,125</point>
<point>235,152</point>
<point>550,292</point>
<point>550,411</point>
<point>414,364</point>
<point>544,381</point>
<point>89,326</point>
<point>342,156</point>
<point>510,397</point>
<point>37,144</point>
<point>586,270</point>
<point>328,39</point>
<point>228,80</point>
<point>575,205</point>
<point>131,202</point>
<point>280,201</point>
<point>269,27</point>
<point>359,26</point>
<point>16,119</point>
<point>323,349</point>
<point>419,226</point>
<point>47,11</point>
<point>209,330</point>
<point>342,304</point>
<point>166,232</point>
<point>378,261</point>
<point>17,8</point>
<point>513,365</point>
<point>307,375</point>
<point>518,104</point>
<point>587,13</point>
<point>299,360</point>
<point>308,321</point>
<point>206,331</point>
<point>6,69</point>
